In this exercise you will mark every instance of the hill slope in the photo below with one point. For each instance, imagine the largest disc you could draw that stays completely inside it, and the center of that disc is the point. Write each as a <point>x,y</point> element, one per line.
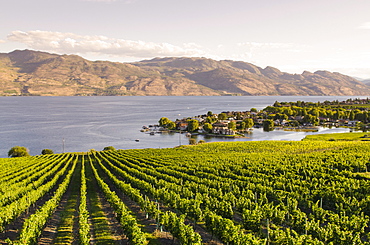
<point>38,73</point>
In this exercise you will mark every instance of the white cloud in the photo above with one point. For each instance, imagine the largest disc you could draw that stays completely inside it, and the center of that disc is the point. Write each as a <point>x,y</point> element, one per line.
<point>71,43</point>
<point>2,41</point>
<point>365,25</point>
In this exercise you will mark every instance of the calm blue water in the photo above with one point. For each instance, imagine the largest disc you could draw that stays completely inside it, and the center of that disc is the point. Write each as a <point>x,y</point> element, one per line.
<point>86,123</point>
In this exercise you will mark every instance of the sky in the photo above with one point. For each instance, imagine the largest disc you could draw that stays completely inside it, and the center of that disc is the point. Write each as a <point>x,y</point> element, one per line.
<point>291,35</point>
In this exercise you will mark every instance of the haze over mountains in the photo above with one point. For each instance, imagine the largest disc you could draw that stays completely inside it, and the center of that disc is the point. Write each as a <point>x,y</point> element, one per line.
<point>39,73</point>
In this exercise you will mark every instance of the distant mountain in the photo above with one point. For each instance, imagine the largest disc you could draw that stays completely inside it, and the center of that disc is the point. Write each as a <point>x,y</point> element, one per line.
<point>38,73</point>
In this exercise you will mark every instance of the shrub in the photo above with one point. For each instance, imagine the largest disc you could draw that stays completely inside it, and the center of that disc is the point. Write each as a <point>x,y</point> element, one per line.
<point>109,148</point>
<point>18,151</point>
<point>47,151</point>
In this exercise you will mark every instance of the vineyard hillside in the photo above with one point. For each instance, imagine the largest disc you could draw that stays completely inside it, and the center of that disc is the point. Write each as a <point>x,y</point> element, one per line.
<point>266,192</point>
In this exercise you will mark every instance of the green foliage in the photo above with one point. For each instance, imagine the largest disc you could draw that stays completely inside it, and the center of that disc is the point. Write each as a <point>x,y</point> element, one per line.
<point>84,227</point>
<point>355,136</point>
<point>109,148</point>
<point>167,123</point>
<point>268,125</point>
<point>18,151</point>
<point>193,125</point>
<point>231,125</point>
<point>47,151</point>
<point>192,141</point>
<point>248,122</point>
<point>211,119</point>
<point>164,121</point>
<point>277,192</point>
<point>222,116</point>
<point>171,125</point>
<point>34,225</point>
<point>128,222</point>
<point>207,127</point>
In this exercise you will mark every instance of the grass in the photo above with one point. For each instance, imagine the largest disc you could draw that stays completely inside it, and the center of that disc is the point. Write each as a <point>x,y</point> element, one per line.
<point>339,137</point>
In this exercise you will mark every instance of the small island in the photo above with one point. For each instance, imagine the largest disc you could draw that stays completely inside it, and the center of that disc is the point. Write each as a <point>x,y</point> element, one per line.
<point>290,116</point>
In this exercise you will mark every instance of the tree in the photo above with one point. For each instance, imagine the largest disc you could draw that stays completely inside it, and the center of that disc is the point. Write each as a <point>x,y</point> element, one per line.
<point>171,125</point>
<point>211,120</point>
<point>47,151</point>
<point>109,148</point>
<point>232,125</point>
<point>241,126</point>
<point>248,122</point>
<point>268,125</point>
<point>18,151</point>
<point>207,127</point>
<point>222,116</point>
<point>253,110</point>
<point>360,116</point>
<point>209,114</point>
<point>164,121</point>
<point>193,125</point>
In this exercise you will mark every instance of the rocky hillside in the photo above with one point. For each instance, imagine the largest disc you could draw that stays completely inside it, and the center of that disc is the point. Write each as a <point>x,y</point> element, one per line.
<point>38,73</point>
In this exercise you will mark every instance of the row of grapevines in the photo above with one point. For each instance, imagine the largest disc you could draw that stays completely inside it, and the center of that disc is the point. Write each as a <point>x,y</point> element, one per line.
<point>31,166</point>
<point>9,212</point>
<point>274,182</point>
<point>34,225</point>
<point>33,181</point>
<point>84,230</point>
<point>128,222</point>
<point>171,221</point>
<point>189,207</point>
<point>12,167</point>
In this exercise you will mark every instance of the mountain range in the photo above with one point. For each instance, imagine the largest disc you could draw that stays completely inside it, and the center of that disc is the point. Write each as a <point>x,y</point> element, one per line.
<point>27,72</point>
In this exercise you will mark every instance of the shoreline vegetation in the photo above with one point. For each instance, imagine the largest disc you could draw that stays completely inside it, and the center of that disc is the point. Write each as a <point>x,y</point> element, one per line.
<point>288,116</point>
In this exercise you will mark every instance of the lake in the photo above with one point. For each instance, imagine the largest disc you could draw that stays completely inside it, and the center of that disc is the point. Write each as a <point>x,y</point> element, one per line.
<point>78,124</point>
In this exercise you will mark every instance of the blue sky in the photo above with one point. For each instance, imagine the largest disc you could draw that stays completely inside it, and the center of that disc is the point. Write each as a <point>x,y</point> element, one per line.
<point>291,35</point>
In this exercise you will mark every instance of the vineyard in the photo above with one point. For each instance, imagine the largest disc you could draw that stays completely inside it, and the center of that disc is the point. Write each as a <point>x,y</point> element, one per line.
<point>267,192</point>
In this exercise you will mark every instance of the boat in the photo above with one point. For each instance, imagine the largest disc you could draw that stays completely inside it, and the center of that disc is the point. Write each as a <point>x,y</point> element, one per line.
<point>137,140</point>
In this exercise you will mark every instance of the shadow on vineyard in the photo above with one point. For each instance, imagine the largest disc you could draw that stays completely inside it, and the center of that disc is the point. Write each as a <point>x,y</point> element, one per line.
<point>267,192</point>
